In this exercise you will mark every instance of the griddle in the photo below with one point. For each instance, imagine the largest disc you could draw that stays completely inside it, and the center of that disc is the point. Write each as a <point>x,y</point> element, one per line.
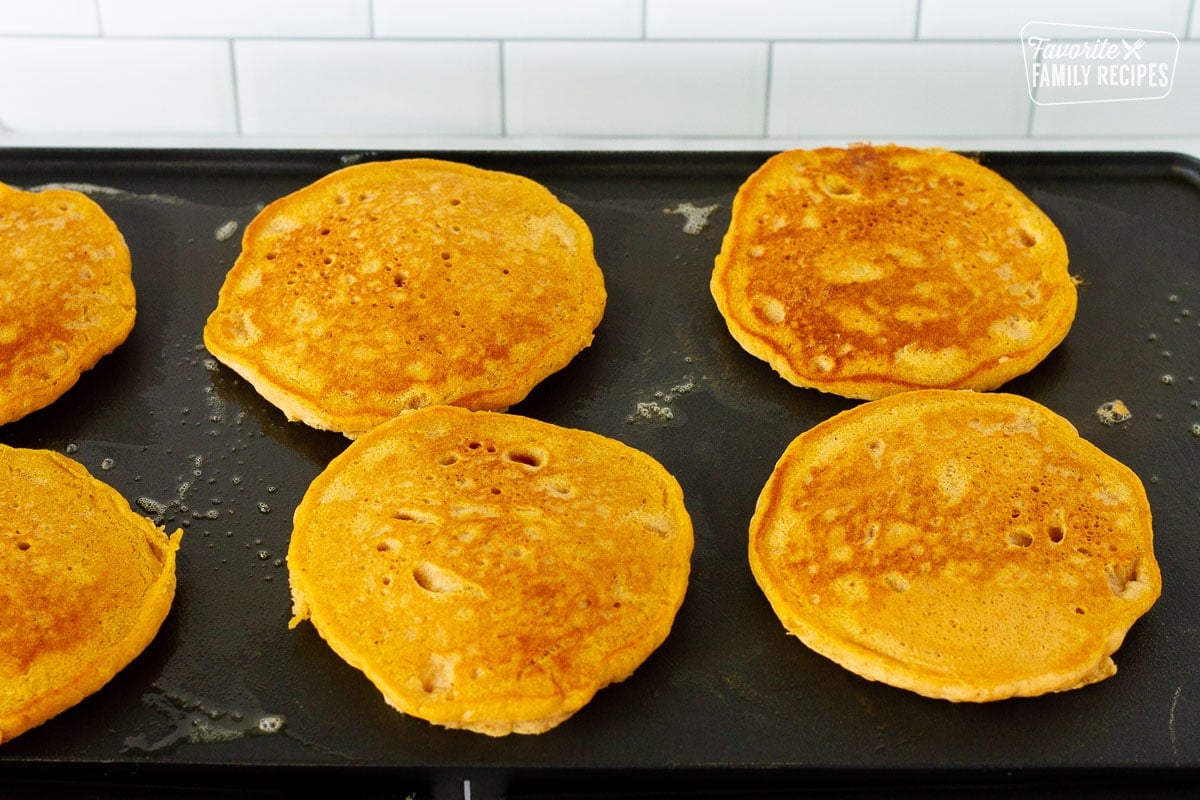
<point>226,697</point>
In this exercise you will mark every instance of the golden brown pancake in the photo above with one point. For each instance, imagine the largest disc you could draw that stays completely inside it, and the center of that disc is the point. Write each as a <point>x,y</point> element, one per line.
<point>488,571</point>
<point>66,295</point>
<point>964,546</point>
<point>390,286</point>
<point>873,270</point>
<point>85,584</point>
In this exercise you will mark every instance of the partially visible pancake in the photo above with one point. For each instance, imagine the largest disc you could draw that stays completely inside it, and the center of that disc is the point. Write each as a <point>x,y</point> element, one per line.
<point>66,295</point>
<point>488,571</point>
<point>872,270</point>
<point>85,584</point>
<point>964,546</point>
<point>389,286</point>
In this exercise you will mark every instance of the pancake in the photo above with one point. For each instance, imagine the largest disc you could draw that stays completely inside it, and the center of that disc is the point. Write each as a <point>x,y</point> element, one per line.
<point>389,286</point>
<point>488,571</point>
<point>873,270</point>
<point>964,546</point>
<point>66,295</point>
<point>85,584</point>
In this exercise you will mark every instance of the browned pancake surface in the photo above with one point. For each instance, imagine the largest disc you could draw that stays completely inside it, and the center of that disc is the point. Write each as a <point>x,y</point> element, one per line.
<point>389,286</point>
<point>84,585</point>
<point>871,270</point>
<point>488,571</point>
<point>66,296</point>
<point>964,546</point>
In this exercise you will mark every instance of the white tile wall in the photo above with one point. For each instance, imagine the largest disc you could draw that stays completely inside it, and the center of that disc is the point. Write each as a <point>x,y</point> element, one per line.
<point>235,18</point>
<point>63,18</point>
<point>672,71</point>
<point>508,19</point>
<point>855,89</point>
<point>780,19</point>
<point>116,85</point>
<point>983,19</point>
<point>318,87</point>
<point>635,88</point>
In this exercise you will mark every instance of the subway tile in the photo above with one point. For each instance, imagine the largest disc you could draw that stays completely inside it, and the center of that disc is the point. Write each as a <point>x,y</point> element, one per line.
<point>780,19</point>
<point>225,18</point>
<point>987,19</point>
<point>116,85</point>
<point>56,18</point>
<point>635,88</point>
<point>370,88</point>
<point>892,90</point>
<point>508,19</point>
<point>1176,114</point>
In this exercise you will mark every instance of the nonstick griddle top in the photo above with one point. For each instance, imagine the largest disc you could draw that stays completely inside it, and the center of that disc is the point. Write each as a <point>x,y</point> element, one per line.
<point>227,694</point>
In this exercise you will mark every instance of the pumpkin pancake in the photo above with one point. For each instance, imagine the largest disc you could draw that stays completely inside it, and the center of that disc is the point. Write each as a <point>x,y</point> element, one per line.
<point>488,571</point>
<point>85,584</point>
<point>66,295</point>
<point>964,546</point>
<point>873,270</point>
<point>389,286</point>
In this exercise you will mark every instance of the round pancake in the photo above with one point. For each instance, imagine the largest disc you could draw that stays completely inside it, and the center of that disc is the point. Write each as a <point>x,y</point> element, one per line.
<point>488,571</point>
<point>66,295</point>
<point>873,270</point>
<point>85,584</point>
<point>964,546</point>
<point>395,285</point>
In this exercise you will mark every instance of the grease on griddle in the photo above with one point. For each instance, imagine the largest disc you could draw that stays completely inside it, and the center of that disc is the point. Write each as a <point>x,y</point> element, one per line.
<point>658,409</point>
<point>193,720</point>
<point>695,218</point>
<point>226,231</point>
<point>95,190</point>
<point>1113,412</point>
<point>152,507</point>
<point>651,411</point>
<point>1166,339</point>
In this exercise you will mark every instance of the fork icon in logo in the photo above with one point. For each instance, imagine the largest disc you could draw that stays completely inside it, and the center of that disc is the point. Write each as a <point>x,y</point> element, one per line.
<point>1132,49</point>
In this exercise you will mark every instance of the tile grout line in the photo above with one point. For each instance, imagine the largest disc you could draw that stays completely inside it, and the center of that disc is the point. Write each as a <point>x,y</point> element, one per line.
<point>1031,92</point>
<point>237,99</point>
<point>917,23</point>
<point>570,40</point>
<point>99,19</point>
<point>766,122</point>
<point>503,90</point>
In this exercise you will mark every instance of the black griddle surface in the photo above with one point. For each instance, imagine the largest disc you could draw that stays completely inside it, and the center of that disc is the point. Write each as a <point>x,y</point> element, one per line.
<point>226,695</point>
